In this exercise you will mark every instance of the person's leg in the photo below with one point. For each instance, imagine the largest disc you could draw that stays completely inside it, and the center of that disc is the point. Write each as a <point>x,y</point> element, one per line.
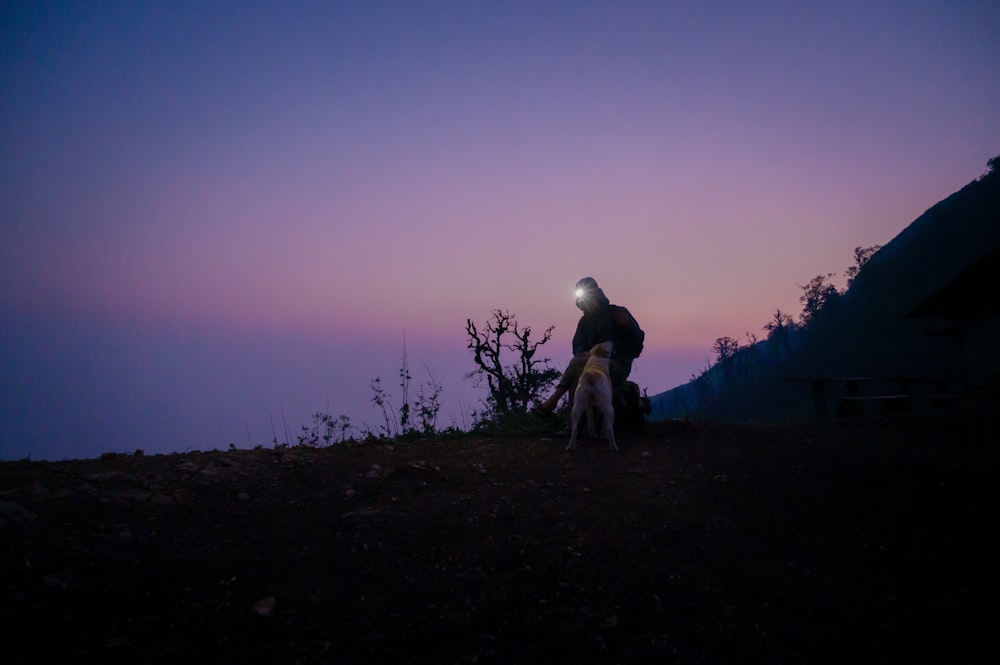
<point>567,383</point>
<point>619,372</point>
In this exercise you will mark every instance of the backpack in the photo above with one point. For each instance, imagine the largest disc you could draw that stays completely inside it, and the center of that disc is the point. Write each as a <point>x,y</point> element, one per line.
<point>631,406</point>
<point>640,337</point>
<point>636,337</point>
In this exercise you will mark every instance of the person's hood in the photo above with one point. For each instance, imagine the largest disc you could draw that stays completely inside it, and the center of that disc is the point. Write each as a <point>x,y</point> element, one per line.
<point>592,291</point>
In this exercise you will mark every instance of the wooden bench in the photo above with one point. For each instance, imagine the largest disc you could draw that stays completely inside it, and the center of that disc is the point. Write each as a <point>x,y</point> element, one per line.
<point>943,399</point>
<point>852,385</point>
<point>938,395</point>
<point>882,405</point>
<point>855,404</point>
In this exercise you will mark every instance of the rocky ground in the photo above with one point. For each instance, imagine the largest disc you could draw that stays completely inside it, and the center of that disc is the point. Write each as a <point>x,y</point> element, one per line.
<point>853,541</point>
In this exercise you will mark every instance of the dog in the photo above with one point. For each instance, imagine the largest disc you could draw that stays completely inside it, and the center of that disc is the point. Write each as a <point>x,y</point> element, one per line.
<point>593,391</point>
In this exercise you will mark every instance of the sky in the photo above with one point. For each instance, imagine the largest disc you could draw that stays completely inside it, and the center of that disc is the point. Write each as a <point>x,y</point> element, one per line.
<point>217,218</point>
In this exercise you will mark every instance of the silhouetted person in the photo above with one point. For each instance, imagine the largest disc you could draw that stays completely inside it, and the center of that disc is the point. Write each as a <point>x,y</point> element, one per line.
<point>601,322</point>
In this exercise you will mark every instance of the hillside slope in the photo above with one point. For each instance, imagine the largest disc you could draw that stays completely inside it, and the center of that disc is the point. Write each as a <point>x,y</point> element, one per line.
<point>870,330</point>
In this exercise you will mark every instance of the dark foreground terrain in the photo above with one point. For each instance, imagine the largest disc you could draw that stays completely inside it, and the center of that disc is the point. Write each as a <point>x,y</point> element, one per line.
<point>862,541</point>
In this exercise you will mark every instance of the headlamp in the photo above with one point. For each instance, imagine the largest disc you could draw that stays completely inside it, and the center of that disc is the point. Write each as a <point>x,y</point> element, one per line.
<point>580,293</point>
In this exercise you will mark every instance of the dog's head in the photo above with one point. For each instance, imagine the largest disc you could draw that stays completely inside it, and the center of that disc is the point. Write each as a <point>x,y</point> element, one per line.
<point>602,350</point>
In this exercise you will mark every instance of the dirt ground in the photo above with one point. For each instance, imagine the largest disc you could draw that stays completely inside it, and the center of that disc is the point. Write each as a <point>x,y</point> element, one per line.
<point>855,541</point>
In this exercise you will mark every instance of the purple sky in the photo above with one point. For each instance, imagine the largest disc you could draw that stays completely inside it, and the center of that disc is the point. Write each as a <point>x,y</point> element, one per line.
<point>216,211</point>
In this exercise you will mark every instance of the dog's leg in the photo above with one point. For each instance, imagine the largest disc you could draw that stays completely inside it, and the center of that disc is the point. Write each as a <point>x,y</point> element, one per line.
<point>574,424</point>
<point>609,428</point>
<point>591,428</point>
<point>572,438</point>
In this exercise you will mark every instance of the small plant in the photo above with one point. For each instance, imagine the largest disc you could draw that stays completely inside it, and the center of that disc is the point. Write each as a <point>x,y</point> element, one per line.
<point>390,428</point>
<point>397,423</point>
<point>428,403</point>
<point>325,430</point>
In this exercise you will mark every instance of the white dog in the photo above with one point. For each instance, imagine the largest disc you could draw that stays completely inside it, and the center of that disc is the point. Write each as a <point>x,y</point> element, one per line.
<point>593,391</point>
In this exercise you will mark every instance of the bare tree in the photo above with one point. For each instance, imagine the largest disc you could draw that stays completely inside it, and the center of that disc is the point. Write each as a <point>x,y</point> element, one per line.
<point>514,386</point>
<point>816,295</point>
<point>779,329</point>
<point>725,349</point>
<point>992,168</point>
<point>861,256</point>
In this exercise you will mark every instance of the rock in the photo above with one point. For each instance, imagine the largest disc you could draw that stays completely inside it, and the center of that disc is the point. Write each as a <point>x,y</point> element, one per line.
<point>264,607</point>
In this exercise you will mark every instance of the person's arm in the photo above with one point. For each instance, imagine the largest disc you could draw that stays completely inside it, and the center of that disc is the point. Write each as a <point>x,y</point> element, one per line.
<point>580,340</point>
<point>629,329</point>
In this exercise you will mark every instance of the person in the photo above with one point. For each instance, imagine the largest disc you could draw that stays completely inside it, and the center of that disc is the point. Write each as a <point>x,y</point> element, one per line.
<point>601,322</point>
